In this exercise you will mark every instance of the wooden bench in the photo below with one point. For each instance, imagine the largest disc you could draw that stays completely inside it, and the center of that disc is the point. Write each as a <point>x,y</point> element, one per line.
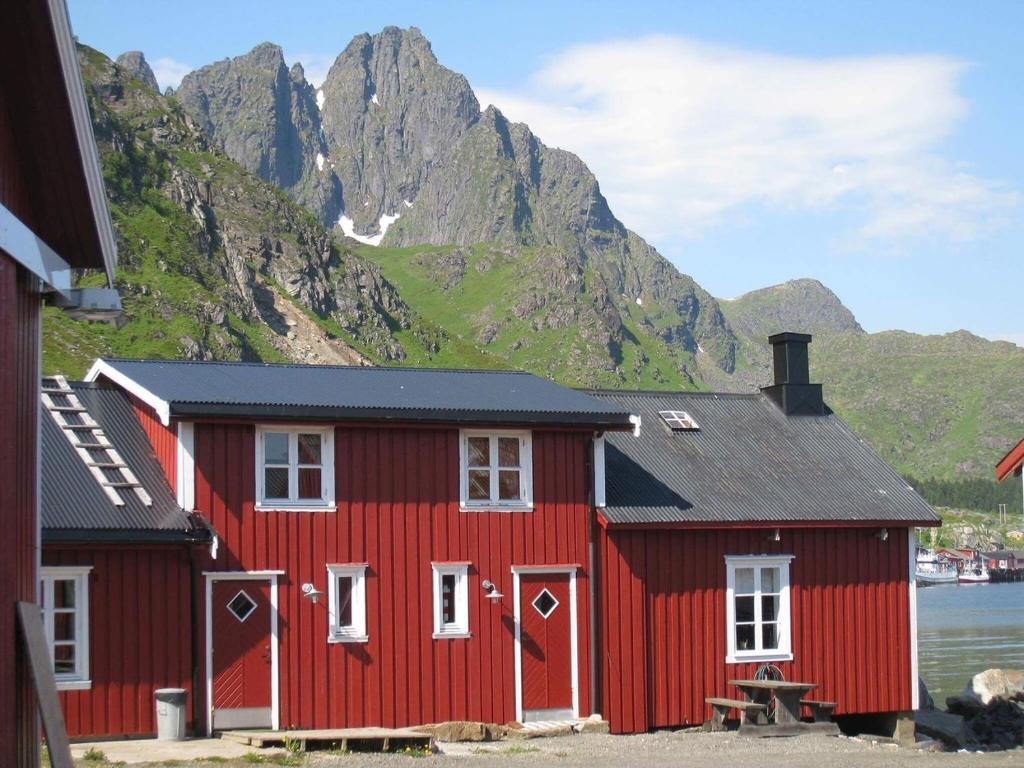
<point>821,711</point>
<point>752,712</point>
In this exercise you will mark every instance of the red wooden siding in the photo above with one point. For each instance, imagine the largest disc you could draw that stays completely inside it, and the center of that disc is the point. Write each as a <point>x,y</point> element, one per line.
<point>163,439</point>
<point>663,620</point>
<point>398,492</point>
<point>19,383</point>
<point>139,636</point>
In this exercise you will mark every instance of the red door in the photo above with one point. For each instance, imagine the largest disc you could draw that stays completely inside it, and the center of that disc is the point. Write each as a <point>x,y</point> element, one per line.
<point>546,623</point>
<point>241,663</point>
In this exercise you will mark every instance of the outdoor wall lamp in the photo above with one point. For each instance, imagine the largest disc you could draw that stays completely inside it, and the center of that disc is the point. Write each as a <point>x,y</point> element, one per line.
<point>310,591</point>
<point>775,535</point>
<point>883,534</point>
<point>492,590</point>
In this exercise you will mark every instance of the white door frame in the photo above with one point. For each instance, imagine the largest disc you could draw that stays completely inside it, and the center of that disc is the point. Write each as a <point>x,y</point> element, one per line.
<point>570,571</point>
<point>275,689</point>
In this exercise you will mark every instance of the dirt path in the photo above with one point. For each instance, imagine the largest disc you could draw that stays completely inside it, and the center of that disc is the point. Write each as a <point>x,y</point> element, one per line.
<point>653,750</point>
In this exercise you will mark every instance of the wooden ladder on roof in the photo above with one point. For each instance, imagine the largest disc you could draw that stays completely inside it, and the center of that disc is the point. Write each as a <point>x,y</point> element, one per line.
<point>89,441</point>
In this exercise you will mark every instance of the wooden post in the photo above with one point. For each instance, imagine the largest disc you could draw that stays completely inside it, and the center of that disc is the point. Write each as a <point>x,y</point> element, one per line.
<point>41,668</point>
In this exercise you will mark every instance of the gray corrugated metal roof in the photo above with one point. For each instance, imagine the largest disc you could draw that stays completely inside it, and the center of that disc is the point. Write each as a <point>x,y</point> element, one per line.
<point>343,392</point>
<point>748,462</point>
<point>73,504</point>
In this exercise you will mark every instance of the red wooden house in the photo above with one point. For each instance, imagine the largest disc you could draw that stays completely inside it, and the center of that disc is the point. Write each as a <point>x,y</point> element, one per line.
<point>53,219</point>
<point>747,530</point>
<point>395,546</point>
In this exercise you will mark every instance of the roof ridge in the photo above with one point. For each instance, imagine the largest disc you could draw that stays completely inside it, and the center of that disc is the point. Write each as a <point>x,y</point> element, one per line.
<point>307,366</point>
<point>675,393</point>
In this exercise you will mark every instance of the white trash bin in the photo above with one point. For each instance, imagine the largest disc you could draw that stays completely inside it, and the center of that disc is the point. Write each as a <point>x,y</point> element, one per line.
<point>170,713</point>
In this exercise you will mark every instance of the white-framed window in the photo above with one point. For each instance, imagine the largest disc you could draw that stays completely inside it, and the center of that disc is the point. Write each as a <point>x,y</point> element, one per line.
<point>757,608</point>
<point>451,599</point>
<point>496,470</point>
<point>346,606</point>
<point>64,599</point>
<point>294,467</point>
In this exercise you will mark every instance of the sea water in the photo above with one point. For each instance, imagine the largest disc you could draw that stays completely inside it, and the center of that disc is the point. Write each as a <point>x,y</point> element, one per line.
<point>963,629</point>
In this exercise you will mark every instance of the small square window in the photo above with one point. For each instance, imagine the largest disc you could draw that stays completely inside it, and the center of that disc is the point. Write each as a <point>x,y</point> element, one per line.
<point>242,606</point>
<point>545,603</point>
<point>451,600</point>
<point>679,421</point>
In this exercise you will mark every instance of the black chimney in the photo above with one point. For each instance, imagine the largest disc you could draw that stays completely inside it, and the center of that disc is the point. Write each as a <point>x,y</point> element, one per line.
<point>792,390</point>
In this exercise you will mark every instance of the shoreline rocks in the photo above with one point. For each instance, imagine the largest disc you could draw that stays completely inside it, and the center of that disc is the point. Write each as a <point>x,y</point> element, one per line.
<point>988,715</point>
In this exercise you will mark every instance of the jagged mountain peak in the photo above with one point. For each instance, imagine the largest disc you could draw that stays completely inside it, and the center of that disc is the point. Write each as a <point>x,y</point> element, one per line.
<point>803,304</point>
<point>135,64</point>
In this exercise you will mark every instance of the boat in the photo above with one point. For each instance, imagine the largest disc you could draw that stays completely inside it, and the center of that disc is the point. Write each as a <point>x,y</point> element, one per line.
<point>974,573</point>
<point>934,570</point>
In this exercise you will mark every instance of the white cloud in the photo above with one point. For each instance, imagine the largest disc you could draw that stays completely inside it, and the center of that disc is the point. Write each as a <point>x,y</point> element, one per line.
<point>682,134</point>
<point>315,65</point>
<point>169,72</point>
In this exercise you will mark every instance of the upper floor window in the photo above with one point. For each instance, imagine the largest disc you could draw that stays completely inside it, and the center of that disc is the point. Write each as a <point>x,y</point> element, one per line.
<point>64,593</point>
<point>294,467</point>
<point>757,608</point>
<point>496,470</point>
<point>347,603</point>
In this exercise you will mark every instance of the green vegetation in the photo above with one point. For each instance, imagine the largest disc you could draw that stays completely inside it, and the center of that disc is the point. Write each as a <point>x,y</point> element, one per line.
<point>94,755</point>
<point>974,494</point>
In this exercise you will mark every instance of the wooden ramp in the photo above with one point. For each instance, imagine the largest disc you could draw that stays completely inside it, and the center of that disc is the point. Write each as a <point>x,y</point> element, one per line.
<point>345,739</point>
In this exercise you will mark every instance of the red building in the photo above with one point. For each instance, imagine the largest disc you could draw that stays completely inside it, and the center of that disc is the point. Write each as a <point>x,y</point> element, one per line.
<point>395,546</point>
<point>53,219</point>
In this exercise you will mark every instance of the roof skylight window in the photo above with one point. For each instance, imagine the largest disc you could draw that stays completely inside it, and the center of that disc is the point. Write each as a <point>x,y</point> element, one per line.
<point>679,421</point>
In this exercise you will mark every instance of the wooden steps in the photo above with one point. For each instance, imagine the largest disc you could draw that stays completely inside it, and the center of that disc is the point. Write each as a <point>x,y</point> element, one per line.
<point>344,739</point>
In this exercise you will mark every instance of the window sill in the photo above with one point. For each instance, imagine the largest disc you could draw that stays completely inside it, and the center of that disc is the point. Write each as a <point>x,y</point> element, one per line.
<point>748,657</point>
<point>334,639</point>
<point>272,507</point>
<point>452,635</point>
<point>464,507</point>
<point>74,685</point>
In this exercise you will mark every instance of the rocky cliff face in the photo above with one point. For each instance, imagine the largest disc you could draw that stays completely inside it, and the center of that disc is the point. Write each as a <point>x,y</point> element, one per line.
<point>265,117</point>
<point>134,64</point>
<point>804,304</point>
<point>418,163</point>
<point>215,263</point>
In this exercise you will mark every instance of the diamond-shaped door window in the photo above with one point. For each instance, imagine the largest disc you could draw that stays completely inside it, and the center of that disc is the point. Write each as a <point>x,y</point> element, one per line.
<point>545,603</point>
<point>242,606</point>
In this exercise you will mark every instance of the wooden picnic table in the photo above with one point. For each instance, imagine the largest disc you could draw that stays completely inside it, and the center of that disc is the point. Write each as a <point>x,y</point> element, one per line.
<point>787,696</point>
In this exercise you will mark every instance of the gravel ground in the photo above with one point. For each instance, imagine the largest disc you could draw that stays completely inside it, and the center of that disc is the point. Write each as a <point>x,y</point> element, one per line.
<point>720,750</point>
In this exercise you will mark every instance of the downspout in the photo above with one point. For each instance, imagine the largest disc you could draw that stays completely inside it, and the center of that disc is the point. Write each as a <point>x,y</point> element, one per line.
<point>595,645</point>
<point>193,590</point>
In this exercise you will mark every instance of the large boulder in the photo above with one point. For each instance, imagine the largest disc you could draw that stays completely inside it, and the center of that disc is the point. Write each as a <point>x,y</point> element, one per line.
<point>991,684</point>
<point>925,700</point>
<point>950,729</point>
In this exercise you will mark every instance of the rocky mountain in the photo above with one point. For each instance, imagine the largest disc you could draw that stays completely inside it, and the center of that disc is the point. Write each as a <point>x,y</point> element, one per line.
<point>461,240</point>
<point>214,262</point>
<point>419,163</point>
<point>804,304</point>
<point>134,64</point>
<point>265,117</point>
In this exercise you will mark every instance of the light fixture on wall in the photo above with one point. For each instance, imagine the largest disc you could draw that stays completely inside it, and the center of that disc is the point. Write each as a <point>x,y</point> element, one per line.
<point>310,591</point>
<point>492,590</point>
<point>775,535</point>
<point>883,534</point>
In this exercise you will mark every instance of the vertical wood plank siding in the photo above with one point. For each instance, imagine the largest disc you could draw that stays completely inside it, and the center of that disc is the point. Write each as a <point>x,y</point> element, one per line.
<point>163,439</point>
<point>398,510</point>
<point>139,639</point>
<point>19,382</point>
<point>663,620</point>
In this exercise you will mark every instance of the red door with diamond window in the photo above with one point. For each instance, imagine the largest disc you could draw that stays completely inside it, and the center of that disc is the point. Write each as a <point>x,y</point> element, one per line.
<point>546,645</point>
<point>241,654</point>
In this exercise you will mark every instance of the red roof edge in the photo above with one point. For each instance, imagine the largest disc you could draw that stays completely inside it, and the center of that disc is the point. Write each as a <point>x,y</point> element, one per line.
<point>1011,462</point>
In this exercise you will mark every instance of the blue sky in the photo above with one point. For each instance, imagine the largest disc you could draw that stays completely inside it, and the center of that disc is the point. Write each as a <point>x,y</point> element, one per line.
<point>875,146</point>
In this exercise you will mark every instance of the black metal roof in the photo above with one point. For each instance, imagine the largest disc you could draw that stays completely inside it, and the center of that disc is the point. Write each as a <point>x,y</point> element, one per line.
<point>747,463</point>
<point>197,389</point>
<point>73,505</point>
